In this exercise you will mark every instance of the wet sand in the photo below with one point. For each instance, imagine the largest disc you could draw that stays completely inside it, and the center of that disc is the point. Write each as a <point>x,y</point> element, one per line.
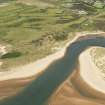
<point>75,91</point>
<point>11,87</point>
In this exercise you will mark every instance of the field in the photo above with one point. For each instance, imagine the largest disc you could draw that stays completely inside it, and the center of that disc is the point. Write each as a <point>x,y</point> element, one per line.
<point>34,28</point>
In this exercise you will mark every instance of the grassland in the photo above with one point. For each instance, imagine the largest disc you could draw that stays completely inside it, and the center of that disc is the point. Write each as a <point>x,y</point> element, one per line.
<point>33,28</point>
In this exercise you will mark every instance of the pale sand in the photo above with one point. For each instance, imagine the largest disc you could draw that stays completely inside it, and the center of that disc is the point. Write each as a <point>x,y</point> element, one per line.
<point>90,73</point>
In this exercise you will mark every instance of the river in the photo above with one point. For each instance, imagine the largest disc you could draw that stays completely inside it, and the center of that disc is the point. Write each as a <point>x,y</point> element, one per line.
<point>40,89</point>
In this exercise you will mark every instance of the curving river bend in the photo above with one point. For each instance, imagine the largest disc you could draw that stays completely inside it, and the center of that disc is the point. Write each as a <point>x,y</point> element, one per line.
<point>40,89</point>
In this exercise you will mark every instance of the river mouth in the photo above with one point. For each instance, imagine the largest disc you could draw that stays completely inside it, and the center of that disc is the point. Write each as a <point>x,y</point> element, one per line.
<point>41,89</point>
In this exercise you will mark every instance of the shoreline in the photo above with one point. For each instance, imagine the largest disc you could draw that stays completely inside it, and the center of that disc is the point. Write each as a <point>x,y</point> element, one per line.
<point>78,83</point>
<point>39,66</point>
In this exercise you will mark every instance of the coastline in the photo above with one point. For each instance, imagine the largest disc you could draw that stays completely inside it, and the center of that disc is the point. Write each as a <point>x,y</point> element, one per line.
<point>80,82</point>
<point>39,66</point>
